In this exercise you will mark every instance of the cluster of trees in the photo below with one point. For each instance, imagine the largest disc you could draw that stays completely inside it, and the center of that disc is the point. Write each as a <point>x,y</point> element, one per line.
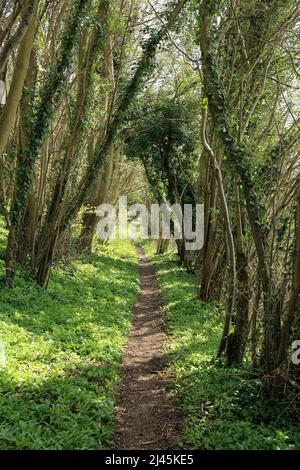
<point>250,78</point>
<point>200,99</point>
<point>68,97</point>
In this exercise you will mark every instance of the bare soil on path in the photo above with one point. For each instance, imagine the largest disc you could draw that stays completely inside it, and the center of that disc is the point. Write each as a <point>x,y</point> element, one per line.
<point>146,417</point>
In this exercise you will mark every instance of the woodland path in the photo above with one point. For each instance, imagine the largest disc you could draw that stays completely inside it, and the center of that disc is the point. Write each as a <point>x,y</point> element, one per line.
<point>146,416</point>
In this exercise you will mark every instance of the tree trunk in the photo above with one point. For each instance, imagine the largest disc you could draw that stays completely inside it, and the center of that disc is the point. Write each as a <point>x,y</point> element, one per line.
<point>210,228</point>
<point>26,21</point>
<point>294,301</point>
<point>8,114</point>
<point>27,230</point>
<point>236,348</point>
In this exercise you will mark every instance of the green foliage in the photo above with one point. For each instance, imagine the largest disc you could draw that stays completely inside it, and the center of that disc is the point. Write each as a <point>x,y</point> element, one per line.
<point>63,352</point>
<point>164,135</point>
<point>224,408</point>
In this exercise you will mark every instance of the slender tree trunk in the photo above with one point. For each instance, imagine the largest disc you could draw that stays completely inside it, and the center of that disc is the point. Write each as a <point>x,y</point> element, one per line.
<point>16,38</point>
<point>162,246</point>
<point>236,348</point>
<point>228,234</point>
<point>294,301</point>
<point>210,229</point>
<point>27,230</point>
<point>254,326</point>
<point>8,114</point>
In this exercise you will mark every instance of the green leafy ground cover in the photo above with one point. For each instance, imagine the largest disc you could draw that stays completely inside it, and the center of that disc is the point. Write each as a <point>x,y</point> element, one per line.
<point>63,350</point>
<point>223,408</point>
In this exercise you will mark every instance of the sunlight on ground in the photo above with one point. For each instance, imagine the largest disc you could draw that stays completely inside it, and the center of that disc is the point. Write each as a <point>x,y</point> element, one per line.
<point>63,351</point>
<point>223,407</point>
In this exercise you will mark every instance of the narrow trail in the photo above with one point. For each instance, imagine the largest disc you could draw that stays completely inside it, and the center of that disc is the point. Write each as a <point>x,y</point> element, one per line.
<point>146,416</point>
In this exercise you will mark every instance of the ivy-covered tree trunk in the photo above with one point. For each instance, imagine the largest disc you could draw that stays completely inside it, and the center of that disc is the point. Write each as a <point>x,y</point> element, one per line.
<point>240,165</point>
<point>49,95</point>
<point>27,230</point>
<point>52,229</point>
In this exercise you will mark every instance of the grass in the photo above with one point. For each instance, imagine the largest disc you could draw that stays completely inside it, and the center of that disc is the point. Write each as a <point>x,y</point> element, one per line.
<point>222,407</point>
<point>63,351</point>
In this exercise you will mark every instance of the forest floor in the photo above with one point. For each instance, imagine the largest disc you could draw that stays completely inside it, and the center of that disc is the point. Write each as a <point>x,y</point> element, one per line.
<point>62,352</point>
<point>223,408</point>
<point>146,415</point>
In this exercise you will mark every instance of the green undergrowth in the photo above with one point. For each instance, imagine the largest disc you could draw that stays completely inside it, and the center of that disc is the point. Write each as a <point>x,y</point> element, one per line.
<point>61,351</point>
<point>223,408</point>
